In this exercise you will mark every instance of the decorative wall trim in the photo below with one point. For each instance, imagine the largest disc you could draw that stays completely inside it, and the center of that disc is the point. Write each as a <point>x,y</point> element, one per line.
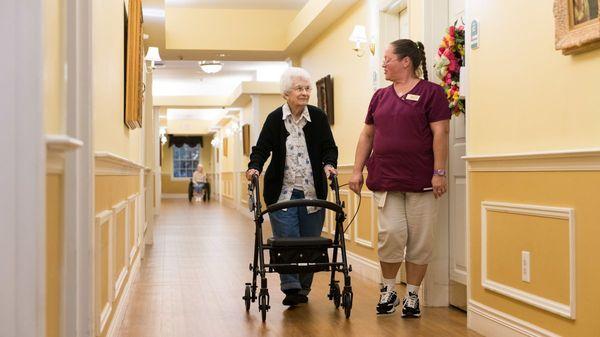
<point>56,148</point>
<point>363,241</point>
<point>110,164</point>
<point>104,315</point>
<point>568,160</point>
<point>118,208</point>
<point>62,143</point>
<point>100,309</point>
<point>120,310</point>
<point>132,206</point>
<point>558,308</point>
<point>494,323</point>
<point>120,280</point>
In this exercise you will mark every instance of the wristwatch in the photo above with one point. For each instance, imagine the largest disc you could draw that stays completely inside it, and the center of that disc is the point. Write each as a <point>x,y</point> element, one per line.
<point>440,172</point>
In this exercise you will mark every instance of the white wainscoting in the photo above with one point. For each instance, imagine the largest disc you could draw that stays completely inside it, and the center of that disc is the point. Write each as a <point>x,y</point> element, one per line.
<point>367,242</point>
<point>117,209</point>
<point>102,310</point>
<point>494,323</point>
<point>561,309</point>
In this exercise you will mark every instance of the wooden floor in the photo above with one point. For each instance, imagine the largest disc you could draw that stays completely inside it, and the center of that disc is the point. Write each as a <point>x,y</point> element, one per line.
<point>192,279</point>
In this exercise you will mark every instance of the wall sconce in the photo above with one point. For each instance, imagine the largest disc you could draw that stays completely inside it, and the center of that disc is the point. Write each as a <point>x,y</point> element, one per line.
<point>163,135</point>
<point>153,56</point>
<point>215,142</point>
<point>359,36</point>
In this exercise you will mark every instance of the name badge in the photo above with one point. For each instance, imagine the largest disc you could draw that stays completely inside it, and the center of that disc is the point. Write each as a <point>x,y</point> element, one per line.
<point>412,97</point>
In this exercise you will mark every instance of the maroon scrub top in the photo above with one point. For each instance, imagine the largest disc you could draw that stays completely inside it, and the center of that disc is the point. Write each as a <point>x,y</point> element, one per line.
<point>402,157</point>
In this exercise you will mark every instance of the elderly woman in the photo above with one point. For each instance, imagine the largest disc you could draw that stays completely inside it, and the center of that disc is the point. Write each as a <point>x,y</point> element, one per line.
<point>405,139</point>
<point>199,181</point>
<point>304,154</point>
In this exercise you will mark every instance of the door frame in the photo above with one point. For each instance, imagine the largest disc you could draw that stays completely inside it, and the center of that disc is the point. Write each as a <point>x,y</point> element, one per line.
<point>23,232</point>
<point>78,272</point>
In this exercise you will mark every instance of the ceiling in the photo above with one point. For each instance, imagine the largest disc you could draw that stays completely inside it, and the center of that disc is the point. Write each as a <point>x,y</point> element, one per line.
<point>238,4</point>
<point>185,78</point>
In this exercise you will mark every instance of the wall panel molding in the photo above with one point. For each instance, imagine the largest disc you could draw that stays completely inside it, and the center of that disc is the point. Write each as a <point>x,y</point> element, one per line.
<point>494,323</point>
<point>567,160</point>
<point>565,310</point>
<point>367,242</point>
<point>117,209</point>
<point>110,164</point>
<point>57,146</point>
<point>102,310</point>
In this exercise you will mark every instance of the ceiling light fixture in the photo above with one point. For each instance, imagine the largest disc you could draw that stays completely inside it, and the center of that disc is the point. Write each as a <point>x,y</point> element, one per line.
<point>211,67</point>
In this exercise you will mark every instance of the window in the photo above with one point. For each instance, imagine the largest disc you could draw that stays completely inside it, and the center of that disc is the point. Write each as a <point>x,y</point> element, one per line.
<point>185,160</point>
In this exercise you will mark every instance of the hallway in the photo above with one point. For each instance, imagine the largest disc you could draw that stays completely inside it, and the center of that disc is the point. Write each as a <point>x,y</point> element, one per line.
<point>191,283</point>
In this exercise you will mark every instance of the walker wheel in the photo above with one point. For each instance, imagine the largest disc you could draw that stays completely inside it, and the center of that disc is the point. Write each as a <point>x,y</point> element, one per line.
<point>335,295</point>
<point>247,298</point>
<point>263,305</point>
<point>347,303</point>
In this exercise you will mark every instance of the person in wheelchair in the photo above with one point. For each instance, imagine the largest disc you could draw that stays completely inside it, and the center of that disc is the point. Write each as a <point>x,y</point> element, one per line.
<point>303,154</point>
<point>199,183</point>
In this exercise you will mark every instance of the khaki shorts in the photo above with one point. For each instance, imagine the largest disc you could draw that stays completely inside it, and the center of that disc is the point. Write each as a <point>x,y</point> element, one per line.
<point>406,220</point>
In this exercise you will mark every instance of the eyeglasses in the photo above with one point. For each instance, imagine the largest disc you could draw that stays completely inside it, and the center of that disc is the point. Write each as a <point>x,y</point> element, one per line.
<point>388,61</point>
<point>300,89</point>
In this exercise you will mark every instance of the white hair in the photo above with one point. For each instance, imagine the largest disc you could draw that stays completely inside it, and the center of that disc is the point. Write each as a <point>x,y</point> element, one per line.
<point>288,76</point>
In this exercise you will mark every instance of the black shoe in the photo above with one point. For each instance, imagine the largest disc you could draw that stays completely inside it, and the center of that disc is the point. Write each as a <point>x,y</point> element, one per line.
<point>291,297</point>
<point>388,301</point>
<point>410,306</point>
<point>302,299</point>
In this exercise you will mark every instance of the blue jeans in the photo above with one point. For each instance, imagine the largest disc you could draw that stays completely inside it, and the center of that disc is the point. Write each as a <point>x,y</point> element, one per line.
<point>292,223</point>
<point>198,187</point>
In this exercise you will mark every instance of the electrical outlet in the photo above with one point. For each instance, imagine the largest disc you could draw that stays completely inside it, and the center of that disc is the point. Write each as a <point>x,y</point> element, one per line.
<point>525,266</point>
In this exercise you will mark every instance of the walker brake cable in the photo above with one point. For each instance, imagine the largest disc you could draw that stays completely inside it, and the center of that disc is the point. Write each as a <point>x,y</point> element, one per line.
<point>357,209</point>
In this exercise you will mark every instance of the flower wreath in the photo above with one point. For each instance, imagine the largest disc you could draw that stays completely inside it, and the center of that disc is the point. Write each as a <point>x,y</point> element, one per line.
<point>447,66</point>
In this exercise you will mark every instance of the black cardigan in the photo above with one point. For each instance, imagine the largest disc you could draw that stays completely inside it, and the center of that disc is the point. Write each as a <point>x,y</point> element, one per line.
<point>319,142</point>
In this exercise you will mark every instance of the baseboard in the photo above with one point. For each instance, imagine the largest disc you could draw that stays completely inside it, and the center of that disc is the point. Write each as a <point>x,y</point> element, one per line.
<point>494,323</point>
<point>122,306</point>
<point>364,267</point>
<point>174,196</point>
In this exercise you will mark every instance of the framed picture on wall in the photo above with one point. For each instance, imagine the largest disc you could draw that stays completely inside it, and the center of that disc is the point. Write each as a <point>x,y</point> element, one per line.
<point>577,25</point>
<point>325,97</point>
<point>246,139</point>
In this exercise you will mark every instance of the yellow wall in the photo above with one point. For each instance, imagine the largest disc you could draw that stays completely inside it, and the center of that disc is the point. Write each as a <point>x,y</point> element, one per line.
<point>54,58</point>
<point>524,95</point>
<point>54,253</point>
<point>547,241</point>
<point>110,190</point>
<point>268,103</point>
<point>110,132</point>
<point>332,55</point>
<point>233,29</point>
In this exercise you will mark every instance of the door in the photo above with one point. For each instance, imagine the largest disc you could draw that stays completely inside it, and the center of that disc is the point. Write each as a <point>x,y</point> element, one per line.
<point>457,194</point>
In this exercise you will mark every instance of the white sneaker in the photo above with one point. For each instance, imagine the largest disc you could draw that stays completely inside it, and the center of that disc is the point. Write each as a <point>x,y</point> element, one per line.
<point>388,301</point>
<point>410,306</point>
